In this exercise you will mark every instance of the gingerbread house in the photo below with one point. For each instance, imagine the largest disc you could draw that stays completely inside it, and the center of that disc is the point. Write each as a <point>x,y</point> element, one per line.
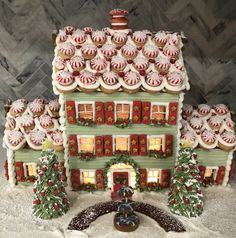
<point>28,124</point>
<point>121,94</point>
<point>210,130</point>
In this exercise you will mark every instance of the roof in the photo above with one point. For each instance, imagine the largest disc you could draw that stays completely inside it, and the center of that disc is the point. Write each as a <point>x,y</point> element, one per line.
<point>118,59</point>
<point>208,127</point>
<point>28,124</point>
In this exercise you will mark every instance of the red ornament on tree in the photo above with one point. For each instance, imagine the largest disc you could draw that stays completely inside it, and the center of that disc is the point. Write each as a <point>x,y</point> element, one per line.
<point>34,190</point>
<point>189,188</point>
<point>55,205</point>
<point>44,168</point>
<point>176,190</point>
<point>50,183</point>
<point>55,192</point>
<point>40,174</point>
<point>199,206</point>
<point>42,193</point>
<point>63,189</point>
<point>65,200</point>
<point>55,167</point>
<point>186,200</point>
<point>190,166</point>
<point>194,155</point>
<point>182,179</point>
<point>36,202</point>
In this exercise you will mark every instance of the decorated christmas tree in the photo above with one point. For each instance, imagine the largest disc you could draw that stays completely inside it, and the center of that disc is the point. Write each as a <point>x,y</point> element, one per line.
<point>50,198</point>
<point>185,197</point>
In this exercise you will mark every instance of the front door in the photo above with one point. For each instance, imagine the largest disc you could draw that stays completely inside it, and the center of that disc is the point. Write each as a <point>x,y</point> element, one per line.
<point>120,179</point>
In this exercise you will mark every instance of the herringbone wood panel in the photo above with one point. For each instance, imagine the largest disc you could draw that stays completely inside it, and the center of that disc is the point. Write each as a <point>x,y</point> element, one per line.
<point>26,51</point>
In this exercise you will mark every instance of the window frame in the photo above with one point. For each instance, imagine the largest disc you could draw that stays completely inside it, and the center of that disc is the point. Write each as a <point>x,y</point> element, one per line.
<point>87,170</point>
<point>84,102</point>
<point>123,102</point>
<point>85,136</point>
<point>158,176</point>
<point>114,139</point>
<point>213,168</point>
<point>160,104</point>
<point>163,145</point>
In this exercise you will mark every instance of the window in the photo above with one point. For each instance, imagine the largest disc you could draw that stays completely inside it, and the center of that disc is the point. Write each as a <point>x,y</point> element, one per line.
<point>85,110</point>
<point>30,169</point>
<point>86,144</point>
<point>121,143</point>
<point>210,173</point>
<point>158,112</point>
<point>153,176</point>
<point>155,143</point>
<point>123,110</point>
<point>88,176</point>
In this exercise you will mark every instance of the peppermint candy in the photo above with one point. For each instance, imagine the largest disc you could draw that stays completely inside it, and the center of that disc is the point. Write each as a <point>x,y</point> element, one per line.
<point>37,105</point>
<point>118,63</point>
<point>77,62</point>
<point>141,63</point>
<point>64,78</point>
<point>37,137</point>
<point>98,64</point>
<point>131,78</point>
<point>79,37</point>
<point>228,137</point>
<point>139,37</point>
<point>87,78</point>
<point>154,79</point>
<point>15,137</point>
<point>110,78</point>
<point>208,136</point>
<point>67,48</point>
<point>150,51</point>
<point>175,79</point>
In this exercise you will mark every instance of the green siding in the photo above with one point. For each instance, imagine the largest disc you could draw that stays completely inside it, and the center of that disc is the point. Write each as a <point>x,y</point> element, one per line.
<point>29,155</point>
<point>215,157</point>
<point>113,130</point>
<point>98,96</point>
<point>143,162</point>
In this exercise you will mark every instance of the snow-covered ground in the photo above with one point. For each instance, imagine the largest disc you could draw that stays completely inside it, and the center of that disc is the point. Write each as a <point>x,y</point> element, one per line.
<point>218,219</point>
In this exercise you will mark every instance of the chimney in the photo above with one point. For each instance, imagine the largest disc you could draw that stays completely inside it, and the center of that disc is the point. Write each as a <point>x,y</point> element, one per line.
<point>118,19</point>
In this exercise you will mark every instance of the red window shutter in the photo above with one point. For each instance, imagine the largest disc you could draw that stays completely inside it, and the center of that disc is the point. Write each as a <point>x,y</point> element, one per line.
<point>110,113</point>
<point>6,169</point>
<point>73,145</point>
<point>202,170</point>
<point>75,179</point>
<point>70,110</point>
<point>99,146</point>
<point>173,110</point>
<point>231,172</point>
<point>134,145</point>
<point>142,145</point>
<point>169,145</point>
<point>108,150</point>
<point>99,179</point>
<point>165,178</point>
<point>143,178</point>
<point>63,171</point>
<point>220,175</point>
<point>19,171</point>
<point>99,113</point>
<point>146,111</point>
<point>136,113</point>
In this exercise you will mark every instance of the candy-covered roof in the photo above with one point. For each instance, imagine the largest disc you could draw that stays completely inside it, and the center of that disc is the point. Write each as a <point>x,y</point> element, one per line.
<point>30,123</point>
<point>118,59</point>
<point>208,127</point>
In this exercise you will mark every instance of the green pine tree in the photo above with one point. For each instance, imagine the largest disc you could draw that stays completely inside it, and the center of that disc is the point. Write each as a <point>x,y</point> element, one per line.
<point>50,198</point>
<point>185,197</point>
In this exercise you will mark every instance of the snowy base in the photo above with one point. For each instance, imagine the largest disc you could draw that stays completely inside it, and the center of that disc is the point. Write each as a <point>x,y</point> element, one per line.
<point>16,220</point>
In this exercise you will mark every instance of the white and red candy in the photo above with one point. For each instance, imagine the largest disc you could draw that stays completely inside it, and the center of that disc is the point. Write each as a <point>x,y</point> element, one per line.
<point>15,137</point>
<point>187,109</point>
<point>208,136</point>
<point>10,123</point>
<point>78,37</point>
<point>171,51</point>
<point>57,137</point>
<point>69,30</point>
<point>221,109</point>
<point>37,105</point>
<point>196,123</point>
<point>88,30</point>
<point>54,105</point>
<point>131,78</point>
<point>203,109</point>
<point>141,63</point>
<point>87,78</point>
<point>77,62</point>
<point>67,48</point>
<point>150,51</point>
<point>60,63</point>
<point>119,37</point>
<point>154,79</point>
<point>228,137</point>
<point>89,49</point>
<point>175,79</point>
<point>99,37</point>
<point>26,120</point>
<point>129,51</point>
<point>45,120</point>
<point>98,64</point>
<point>109,50</point>
<point>215,121</point>
<point>64,78</point>
<point>119,63</point>
<point>37,137</point>
<point>162,64</point>
<point>161,37</point>
<point>18,106</point>
<point>110,78</point>
<point>62,36</point>
<point>140,37</point>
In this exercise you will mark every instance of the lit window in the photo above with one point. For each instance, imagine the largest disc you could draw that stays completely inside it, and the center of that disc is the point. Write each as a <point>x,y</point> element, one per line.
<point>153,176</point>
<point>88,177</point>
<point>155,143</point>
<point>86,144</point>
<point>208,173</point>
<point>85,111</point>
<point>158,112</point>
<point>122,111</point>
<point>31,169</point>
<point>121,143</point>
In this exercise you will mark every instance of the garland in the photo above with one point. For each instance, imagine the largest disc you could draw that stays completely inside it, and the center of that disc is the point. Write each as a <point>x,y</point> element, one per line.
<point>125,160</point>
<point>120,180</point>
<point>86,122</point>
<point>121,153</point>
<point>152,187</point>
<point>155,122</point>
<point>86,156</point>
<point>157,154</point>
<point>122,123</point>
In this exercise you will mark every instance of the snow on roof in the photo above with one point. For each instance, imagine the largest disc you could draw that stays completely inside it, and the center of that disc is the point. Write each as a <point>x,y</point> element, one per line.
<point>30,123</point>
<point>118,59</point>
<point>208,127</point>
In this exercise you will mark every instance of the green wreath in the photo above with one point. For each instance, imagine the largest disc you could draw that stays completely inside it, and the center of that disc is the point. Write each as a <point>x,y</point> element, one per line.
<point>125,160</point>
